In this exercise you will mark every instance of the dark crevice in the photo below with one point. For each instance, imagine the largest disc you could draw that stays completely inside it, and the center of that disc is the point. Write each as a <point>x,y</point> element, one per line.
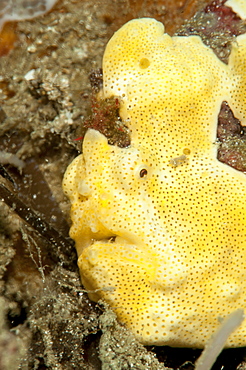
<point>217,26</point>
<point>231,136</point>
<point>15,320</point>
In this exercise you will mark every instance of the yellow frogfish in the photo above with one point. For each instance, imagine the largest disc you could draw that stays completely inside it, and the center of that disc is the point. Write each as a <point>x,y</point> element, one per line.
<point>160,225</point>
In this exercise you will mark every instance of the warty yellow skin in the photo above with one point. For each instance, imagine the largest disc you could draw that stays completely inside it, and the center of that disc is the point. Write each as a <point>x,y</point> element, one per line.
<point>161,239</point>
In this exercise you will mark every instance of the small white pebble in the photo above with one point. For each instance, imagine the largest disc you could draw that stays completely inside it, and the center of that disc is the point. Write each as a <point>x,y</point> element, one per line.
<point>30,75</point>
<point>31,49</point>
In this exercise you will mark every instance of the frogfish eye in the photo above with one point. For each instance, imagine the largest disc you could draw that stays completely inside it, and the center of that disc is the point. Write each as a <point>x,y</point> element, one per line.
<point>143,172</point>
